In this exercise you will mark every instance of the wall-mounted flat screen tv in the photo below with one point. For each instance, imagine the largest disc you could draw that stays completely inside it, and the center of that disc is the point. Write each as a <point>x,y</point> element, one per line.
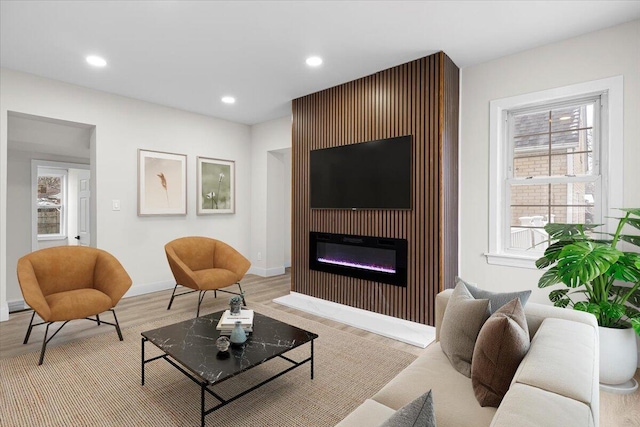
<point>368,175</point>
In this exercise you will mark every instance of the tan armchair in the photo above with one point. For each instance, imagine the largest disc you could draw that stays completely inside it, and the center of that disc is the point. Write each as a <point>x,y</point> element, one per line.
<point>71,282</point>
<point>204,264</point>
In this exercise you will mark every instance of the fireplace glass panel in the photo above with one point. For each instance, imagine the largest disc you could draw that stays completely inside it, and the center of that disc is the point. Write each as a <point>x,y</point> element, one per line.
<point>366,258</point>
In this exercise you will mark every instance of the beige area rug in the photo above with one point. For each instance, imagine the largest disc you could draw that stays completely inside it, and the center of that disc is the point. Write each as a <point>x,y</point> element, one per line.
<point>96,382</point>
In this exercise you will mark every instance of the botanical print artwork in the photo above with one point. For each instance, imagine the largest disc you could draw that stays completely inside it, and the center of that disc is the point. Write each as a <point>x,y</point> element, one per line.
<point>162,183</point>
<point>215,186</point>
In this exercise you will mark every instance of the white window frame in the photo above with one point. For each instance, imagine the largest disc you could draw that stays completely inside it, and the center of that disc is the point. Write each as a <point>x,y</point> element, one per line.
<point>611,161</point>
<point>52,168</point>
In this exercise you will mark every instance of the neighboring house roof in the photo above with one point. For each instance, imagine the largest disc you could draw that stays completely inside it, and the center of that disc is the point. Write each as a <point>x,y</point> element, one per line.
<point>531,131</point>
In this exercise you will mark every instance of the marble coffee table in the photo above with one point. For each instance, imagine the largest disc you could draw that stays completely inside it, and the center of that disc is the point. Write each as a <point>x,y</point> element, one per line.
<point>190,346</point>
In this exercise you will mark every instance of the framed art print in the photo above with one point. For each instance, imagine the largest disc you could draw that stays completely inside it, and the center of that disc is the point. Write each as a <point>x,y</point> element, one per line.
<point>162,183</point>
<point>216,186</point>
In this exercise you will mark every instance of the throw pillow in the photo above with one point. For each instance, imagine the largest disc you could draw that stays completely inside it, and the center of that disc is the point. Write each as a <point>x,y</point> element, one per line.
<point>498,299</point>
<point>461,323</point>
<point>419,412</point>
<point>502,343</point>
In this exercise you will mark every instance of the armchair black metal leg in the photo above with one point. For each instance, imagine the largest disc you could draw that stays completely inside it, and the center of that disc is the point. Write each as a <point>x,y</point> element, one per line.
<point>117,325</point>
<point>98,319</point>
<point>173,295</point>
<point>26,338</point>
<point>200,298</point>
<point>44,343</point>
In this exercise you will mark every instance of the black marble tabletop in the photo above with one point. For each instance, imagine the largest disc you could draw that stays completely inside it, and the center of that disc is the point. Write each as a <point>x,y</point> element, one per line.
<point>192,343</point>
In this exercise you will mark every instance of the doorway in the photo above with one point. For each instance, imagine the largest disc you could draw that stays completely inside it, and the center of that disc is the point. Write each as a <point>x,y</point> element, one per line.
<point>35,138</point>
<point>60,214</point>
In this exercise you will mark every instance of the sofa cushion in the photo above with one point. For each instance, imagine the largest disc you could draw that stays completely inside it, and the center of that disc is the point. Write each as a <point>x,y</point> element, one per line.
<point>453,399</point>
<point>561,360</point>
<point>461,323</point>
<point>496,299</point>
<point>419,412</point>
<point>526,406</point>
<point>502,343</point>
<point>370,413</point>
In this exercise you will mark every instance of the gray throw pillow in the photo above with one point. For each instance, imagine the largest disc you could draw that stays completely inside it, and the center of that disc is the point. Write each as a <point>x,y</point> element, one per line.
<point>498,299</point>
<point>462,320</point>
<point>502,343</point>
<point>420,413</point>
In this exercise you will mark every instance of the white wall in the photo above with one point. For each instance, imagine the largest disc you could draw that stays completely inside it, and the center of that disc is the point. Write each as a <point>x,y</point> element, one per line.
<point>272,136</point>
<point>124,125</point>
<point>607,53</point>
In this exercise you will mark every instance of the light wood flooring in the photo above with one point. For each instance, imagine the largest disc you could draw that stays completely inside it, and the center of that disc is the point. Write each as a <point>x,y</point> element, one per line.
<point>615,410</point>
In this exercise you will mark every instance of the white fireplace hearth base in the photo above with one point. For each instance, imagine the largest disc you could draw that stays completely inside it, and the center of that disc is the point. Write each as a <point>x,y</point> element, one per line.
<point>406,331</point>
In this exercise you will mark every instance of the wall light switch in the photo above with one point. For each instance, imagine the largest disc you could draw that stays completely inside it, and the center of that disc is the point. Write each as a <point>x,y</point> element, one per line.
<point>115,205</point>
<point>259,256</point>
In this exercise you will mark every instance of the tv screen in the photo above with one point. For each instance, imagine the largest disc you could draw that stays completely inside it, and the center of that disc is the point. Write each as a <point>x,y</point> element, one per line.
<point>367,175</point>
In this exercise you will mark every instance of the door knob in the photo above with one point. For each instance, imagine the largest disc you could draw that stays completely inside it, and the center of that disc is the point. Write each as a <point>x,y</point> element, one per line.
<point>77,237</point>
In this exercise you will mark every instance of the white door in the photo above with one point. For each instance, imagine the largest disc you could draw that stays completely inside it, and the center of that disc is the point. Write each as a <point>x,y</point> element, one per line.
<point>84,197</point>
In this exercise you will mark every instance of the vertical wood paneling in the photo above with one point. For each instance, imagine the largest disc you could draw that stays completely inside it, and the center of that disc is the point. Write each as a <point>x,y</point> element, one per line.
<point>419,98</point>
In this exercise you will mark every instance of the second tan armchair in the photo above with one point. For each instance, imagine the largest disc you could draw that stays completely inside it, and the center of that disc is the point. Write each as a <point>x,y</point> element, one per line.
<point>204,264</point>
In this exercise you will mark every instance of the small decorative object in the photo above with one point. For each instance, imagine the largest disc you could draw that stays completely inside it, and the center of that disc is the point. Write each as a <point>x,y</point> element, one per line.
<point>238,335</point>
<point>235,303</point>
<point>223,343</point>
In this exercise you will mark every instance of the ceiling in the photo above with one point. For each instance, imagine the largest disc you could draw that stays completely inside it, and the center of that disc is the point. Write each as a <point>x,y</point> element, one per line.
<point>188,54</point>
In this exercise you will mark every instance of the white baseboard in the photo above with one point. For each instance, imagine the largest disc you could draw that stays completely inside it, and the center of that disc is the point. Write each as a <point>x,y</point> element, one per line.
<point>412,333</point>
<point>17,305</point>
<point>148,288</point>
<point>266,272</point>
<point>4,312</point>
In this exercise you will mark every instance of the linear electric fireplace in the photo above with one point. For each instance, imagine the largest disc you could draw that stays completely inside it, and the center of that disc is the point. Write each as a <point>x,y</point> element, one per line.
<point>370,258</point>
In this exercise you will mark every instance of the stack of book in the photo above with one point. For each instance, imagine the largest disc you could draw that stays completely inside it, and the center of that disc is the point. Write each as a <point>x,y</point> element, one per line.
<point>228,321</point>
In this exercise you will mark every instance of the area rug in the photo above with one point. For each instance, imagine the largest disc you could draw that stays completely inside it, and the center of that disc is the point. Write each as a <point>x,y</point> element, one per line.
<point>96,382</point>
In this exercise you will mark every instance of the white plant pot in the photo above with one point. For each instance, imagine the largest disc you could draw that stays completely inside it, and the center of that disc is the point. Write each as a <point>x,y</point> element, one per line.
<point>618,360</point>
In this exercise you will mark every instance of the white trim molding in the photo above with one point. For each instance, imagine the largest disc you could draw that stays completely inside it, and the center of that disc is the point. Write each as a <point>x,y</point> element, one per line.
<point>4,312</point>
<point>611,170</point>
<point>266,272</point>
<point>406,331</point>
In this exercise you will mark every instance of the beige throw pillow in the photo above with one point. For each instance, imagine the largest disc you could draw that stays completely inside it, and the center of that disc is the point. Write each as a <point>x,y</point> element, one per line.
<point>461,323</point>
<point>502,343</point>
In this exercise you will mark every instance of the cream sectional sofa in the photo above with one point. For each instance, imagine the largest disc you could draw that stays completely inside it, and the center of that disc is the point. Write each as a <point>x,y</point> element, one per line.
<point>556,383</point>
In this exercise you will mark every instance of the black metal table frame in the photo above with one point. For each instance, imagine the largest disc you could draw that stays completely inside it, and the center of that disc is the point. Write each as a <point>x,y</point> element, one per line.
<point>204,384</point>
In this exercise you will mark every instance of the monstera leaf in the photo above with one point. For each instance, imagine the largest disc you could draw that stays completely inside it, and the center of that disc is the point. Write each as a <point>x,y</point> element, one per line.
<point>626,268</point>
<point>550,277</point>
<point>559,231</point>
<point>551,253</point>
<point>581,262</point>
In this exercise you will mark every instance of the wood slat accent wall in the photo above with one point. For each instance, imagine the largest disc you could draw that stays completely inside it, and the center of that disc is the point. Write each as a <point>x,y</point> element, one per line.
<point>419,98</point>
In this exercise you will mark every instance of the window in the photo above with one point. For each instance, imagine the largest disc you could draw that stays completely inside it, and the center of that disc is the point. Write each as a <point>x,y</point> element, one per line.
<point>51,203</point>
<point>550,157</point>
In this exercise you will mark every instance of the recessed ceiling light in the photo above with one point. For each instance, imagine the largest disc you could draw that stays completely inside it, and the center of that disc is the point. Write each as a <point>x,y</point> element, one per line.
<point>228,99</point>
<point>314,61</point>
<point>96,61</point>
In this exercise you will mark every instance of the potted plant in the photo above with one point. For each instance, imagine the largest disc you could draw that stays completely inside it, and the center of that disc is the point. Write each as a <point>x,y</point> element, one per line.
<point>603,280</point>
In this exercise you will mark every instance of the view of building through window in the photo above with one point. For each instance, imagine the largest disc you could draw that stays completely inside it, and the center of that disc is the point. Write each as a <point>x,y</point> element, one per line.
<point>553,174</point>
<point>49,205</point>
